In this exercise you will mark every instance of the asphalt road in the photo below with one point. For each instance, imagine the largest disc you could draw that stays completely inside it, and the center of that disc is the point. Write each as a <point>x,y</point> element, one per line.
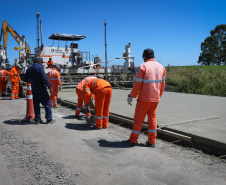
<point>70,152</point>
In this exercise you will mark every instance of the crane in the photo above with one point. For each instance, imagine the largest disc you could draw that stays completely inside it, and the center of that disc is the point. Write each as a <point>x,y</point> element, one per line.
<point>6,28</point>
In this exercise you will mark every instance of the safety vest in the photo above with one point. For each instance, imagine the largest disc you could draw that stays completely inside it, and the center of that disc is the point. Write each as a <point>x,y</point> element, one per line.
<point>149,82</point>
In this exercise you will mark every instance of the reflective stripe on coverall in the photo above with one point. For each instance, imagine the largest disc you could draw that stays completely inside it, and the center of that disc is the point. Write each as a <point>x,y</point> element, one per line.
<point>3,81</point>
<point>81,95</point>
<point>15,82</point>
<point>54,79</point>
<point>103,91</point>
<point>149,83</point>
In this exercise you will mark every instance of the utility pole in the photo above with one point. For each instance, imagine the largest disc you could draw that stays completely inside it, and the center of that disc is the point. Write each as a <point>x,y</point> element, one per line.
<point>37,33</point>
<point>106,65</point>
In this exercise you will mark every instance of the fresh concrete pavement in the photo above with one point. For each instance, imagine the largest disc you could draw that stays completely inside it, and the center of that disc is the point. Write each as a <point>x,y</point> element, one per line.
<point>200,116</point>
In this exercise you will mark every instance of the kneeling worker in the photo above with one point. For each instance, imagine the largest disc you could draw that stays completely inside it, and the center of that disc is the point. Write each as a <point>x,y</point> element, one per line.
<point>103,91</point>
<point>55,82</point>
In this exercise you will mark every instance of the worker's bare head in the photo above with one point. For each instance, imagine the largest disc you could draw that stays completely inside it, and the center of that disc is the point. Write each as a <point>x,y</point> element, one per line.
<point>39,60</point>
<point>50,59</point>
<point>148,54</point>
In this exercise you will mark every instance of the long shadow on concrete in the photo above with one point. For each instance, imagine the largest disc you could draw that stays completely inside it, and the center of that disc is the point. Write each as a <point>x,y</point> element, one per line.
<point>115,144</point>
<point>18,122</point>
<point>81,127</point>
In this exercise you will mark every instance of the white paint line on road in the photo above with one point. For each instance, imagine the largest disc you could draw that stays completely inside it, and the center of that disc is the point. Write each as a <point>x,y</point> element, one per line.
<point>188,121</point>
<point>57,115</point>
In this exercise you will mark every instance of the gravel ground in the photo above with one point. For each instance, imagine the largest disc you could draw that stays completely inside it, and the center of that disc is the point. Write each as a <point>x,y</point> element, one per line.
<point>69,152</point>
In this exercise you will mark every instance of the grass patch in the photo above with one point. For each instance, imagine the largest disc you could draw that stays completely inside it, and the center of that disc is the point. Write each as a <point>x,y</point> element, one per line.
<point>206,80</point>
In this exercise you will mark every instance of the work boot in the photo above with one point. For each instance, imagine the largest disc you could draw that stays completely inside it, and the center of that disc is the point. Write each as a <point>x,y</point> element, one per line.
<point>35,122</point>
<point>11,98</point>
<point>50,121</point>
<point>129,143</point>
<point>150,145</point>
<point>77,116</point>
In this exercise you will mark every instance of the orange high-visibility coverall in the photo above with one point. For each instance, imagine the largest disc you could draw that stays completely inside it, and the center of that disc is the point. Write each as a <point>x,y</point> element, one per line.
<point>50,64</point>
<point>149,83</point>
<point>54,79</point>
<point>3,81</point>
<point>15,82</point>
<point>81,95</point>
<point>103,91</point>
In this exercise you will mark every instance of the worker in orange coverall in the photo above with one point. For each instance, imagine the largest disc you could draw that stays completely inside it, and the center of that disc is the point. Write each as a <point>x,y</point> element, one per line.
<point>3,80</point>
<point>149,84</point>
<point>81,96</point>
<point>50,63</point>
<point>54,79</point>
<point>103,91</point>
<point>15,80</point>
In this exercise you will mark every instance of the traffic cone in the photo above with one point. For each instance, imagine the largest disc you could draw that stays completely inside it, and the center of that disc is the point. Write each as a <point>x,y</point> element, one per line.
<point>30,108</point>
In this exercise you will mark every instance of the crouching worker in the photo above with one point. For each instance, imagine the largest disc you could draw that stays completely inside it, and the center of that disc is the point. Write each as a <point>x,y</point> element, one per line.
<point>81,96</point>
<point>103,91</point>
<point>54,79</point>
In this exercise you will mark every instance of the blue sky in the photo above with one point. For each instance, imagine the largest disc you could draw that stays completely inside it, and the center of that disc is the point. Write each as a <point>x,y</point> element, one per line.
<point>174,29</point>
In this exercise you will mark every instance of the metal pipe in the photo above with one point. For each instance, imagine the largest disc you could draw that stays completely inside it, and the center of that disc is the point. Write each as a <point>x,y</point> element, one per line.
<point>41,32</point>
<point>37,34</point>
<point>105,24</point>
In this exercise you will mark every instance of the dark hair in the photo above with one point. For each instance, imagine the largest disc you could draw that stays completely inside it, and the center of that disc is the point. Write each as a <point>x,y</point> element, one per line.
<point>149,53</point>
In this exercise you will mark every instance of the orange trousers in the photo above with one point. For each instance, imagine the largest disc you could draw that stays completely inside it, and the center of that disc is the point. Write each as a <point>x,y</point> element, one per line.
<point>102,103</point>
<point>15,90</point>
<point>53,97</point>
<point>2,87</point>
<point>81,97</point>
<point>143,109</point>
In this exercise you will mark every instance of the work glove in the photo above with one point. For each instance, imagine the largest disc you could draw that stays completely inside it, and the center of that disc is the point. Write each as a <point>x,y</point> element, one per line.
<point>129,100</point>
<point>60,88</point>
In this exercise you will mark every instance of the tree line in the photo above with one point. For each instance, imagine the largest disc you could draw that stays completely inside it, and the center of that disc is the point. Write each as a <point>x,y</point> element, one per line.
<point>214,47</point>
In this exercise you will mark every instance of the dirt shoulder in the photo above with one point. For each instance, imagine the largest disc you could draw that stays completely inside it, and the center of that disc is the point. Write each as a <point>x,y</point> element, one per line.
<point>70,152</point>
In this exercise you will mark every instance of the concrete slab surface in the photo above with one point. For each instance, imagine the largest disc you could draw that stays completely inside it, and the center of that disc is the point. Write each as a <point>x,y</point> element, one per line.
<point>198,115</point>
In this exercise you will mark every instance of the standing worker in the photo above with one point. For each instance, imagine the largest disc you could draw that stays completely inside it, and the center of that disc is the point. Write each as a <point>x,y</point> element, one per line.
<point>3,80</point>
<point>54,79</point>
<point>39,83</point>
<point>149,84</point>
<point>50,63</point>
<point>81,95</point>
<point>15,80</point>
<point>103,91</point>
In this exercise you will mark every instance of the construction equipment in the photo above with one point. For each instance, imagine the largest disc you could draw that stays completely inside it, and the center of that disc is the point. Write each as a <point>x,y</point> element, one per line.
<point>24,49</point>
